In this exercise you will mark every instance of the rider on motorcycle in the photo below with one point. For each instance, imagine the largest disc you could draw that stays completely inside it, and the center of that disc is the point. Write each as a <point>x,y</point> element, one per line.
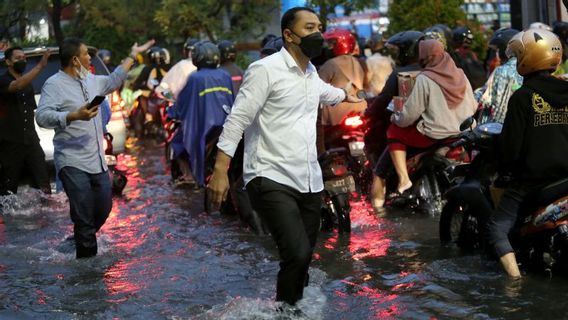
<point>466,59</point>
<point>339,72</point>
<point>203,104</point>
<point>440,101</point>
<point>177,76</point>
<point>149,78</point>
<point>534,141</point>
<point>403,48</point>
<point>228,57</point>
<point>379,66</point>
<point>494,95</point>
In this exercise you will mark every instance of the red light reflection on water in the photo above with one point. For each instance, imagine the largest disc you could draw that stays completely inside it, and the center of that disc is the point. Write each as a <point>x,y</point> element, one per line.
<point>118,283</point>
<point>384,305</point>
<point>124,227</point>
<point>371,241</point>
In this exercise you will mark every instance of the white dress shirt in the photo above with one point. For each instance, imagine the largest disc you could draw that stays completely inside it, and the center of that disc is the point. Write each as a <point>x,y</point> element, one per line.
<point>276,108</point>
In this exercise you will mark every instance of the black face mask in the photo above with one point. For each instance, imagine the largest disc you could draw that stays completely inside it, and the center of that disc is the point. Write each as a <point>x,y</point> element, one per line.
<point>311,45</point>
<point>20,66</point>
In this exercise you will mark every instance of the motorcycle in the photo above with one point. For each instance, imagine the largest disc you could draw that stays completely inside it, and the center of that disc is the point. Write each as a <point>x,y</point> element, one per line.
<point>237,201</point>
<point>428,171</point>
<point>346,172</point>
<point>118,177</point>
<point>541,240</point>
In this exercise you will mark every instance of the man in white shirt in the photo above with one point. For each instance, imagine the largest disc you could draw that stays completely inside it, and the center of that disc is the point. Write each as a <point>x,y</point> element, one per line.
<point>276,108</point>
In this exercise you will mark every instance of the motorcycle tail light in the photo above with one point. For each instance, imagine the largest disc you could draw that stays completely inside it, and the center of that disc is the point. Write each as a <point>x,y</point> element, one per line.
<point>339,170</point>
<point>116,102</point>
<point>458,154</point>
<point>353,121</point>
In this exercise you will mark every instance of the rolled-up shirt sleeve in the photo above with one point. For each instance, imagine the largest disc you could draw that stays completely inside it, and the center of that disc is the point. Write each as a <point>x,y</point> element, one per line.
<point>47,113</point>
<point>107,84</point>
<point>330,95</point>
<point>250,99</point>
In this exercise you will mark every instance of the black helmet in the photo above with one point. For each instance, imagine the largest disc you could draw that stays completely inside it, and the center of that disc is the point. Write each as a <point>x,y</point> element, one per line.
<point>403,46</point>
<point>189,45</point>
<point>500,40</point>
<point>157,56</point>
<point>560,28</point>
<point>272,46</point>
<point>267,39</point>
<point>440,32</point>
<point>376,43</point>
<point>462,36</point>
<point>105,55</point>
<point>205,55</point>
<point>227,50</point>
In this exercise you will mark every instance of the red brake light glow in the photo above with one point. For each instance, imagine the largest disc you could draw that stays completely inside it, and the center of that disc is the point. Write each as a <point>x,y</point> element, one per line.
<point>354,121</point>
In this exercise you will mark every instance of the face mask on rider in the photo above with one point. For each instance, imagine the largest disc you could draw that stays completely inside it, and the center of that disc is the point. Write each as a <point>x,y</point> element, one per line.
<point>82,72</point>
<point>20,66</point>
<point>311,44</point>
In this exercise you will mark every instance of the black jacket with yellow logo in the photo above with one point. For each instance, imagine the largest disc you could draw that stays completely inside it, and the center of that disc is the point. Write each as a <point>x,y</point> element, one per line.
<point>533,145</point>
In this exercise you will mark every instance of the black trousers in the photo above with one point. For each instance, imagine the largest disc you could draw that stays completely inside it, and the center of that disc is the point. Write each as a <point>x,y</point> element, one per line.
<point>14,157</point>
<point>90,202</point>
<point>293,219</point>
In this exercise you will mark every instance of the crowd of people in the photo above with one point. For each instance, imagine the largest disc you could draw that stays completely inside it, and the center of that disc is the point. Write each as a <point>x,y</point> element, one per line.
<point>286,105</point>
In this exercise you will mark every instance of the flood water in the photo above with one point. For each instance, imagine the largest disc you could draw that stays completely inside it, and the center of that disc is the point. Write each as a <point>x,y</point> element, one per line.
<point>162,257</point>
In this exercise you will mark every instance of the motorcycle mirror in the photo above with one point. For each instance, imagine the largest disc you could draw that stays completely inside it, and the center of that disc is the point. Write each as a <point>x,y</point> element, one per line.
<point>466,124</point>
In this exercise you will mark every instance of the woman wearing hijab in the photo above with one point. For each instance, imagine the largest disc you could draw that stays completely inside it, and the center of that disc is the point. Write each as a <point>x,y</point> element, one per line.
<point>440,101</point>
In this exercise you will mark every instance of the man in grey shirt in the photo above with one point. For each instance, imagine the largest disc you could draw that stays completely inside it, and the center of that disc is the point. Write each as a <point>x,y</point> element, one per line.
<point>78,142</point>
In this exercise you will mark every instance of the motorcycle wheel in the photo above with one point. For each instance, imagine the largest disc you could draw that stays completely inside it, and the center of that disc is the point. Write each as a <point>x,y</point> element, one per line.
<point>343,212</point>
<point>458,227</point>
<point>119,181</point>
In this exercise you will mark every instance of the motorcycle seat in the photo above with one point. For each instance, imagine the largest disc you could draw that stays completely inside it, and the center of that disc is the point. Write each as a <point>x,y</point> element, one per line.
<point>552,192</point>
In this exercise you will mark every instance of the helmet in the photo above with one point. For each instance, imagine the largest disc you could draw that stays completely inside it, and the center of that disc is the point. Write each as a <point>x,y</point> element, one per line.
<point>105,55</point>
<point>440,32</point>
<point>157,55</point>
<point>227,50</point>
<point>462,36</point>
<point>403,46</point>
<point>267,39</point>
<point>540,25</point>
<point>560,28</point>
<point>376,43</point>
<point>536,50</point>
<point>340,40</point>
<point>206,55</point>
<point>501,38</point>
<point>189,45</point>
<point>272,46</point>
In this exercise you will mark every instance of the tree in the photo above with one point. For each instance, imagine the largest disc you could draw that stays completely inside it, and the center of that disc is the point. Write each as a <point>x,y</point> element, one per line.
<point>236,20</point>
<point>421,14</point>
<point>327,7</point>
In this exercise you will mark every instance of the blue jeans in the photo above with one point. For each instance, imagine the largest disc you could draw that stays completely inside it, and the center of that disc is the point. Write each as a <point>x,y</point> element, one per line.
<point>90,201</point>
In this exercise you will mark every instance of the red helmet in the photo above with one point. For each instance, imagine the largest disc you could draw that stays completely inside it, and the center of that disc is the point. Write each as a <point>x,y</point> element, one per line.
<point>341,41</point>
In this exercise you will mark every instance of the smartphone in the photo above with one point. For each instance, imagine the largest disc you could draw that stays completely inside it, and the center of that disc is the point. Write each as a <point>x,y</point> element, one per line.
<point>96,101</point>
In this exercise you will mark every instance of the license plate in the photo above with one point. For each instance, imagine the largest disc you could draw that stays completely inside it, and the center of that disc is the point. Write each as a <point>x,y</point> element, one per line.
<point>110,159</point>
<point>356,148</point>
<point>341,185</point>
